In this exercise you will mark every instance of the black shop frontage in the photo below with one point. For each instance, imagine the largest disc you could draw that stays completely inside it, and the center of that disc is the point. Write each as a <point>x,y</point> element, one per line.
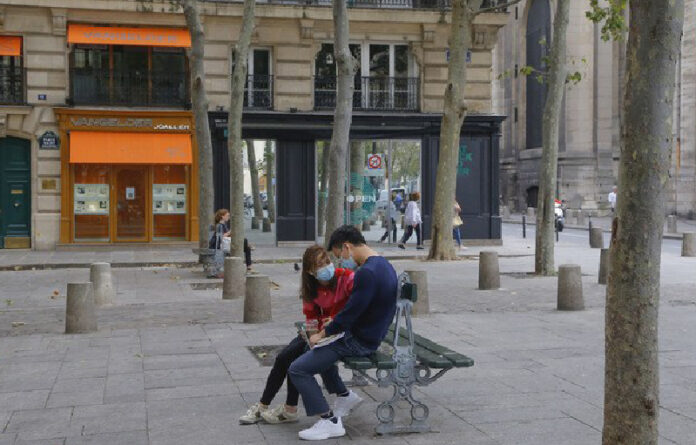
<point>297,136</point>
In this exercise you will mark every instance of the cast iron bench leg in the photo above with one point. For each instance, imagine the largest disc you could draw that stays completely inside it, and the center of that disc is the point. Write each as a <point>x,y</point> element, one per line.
<point>357,380</point>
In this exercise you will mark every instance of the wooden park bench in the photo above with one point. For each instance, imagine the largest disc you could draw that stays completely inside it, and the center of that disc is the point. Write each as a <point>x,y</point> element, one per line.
<point>413,362</point>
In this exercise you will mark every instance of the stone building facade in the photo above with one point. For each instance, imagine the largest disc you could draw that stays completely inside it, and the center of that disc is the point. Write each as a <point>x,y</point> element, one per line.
<point>70,105</point>
<point>589,133</point>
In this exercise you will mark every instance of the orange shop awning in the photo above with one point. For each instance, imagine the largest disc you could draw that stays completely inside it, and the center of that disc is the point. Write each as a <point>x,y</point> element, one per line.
<point>10,46</point>
<point>101,147</point>
<point>113,35</point>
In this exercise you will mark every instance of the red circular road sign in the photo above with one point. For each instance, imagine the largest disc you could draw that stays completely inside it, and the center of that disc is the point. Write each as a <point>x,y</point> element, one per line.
<point>374,161</point>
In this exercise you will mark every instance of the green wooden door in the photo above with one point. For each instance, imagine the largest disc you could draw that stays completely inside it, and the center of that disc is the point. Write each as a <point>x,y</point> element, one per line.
<point>15,193</point>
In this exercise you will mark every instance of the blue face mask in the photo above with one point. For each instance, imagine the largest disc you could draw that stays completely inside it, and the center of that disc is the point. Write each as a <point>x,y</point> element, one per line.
<point>326,273</point>
<point>349,263</point>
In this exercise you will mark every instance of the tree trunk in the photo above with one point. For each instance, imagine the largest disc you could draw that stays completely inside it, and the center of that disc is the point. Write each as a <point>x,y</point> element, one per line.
<point>345,69</point>
<point>442,247</point>
<point>235,147</point>
<point>270,180</point>
<point>631,384</point>
<point>357,169</point>
<point>200,114</point>
<point>544,254</point>
<point>324,187</point>
<point>254,173</point>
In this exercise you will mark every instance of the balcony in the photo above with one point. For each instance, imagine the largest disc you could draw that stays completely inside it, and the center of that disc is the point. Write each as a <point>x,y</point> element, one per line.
<point>12,81</point>
<point>258,92</point>
<point>380,4</point>
<point>371,93</point>
<point>91,86</point>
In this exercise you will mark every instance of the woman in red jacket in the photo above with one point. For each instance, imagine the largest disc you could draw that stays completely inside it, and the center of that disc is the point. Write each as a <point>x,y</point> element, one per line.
<point>325,290</point>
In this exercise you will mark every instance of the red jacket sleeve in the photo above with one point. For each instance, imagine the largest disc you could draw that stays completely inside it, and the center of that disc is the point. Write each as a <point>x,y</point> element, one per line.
<point>311,311</point>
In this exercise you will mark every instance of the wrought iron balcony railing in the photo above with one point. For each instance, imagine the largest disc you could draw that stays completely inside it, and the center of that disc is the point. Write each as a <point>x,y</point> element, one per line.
<point>387,4</point>
<point>91,86</point>
<point>12,83</point>
<point>371,93</point>
<point>258,92</point>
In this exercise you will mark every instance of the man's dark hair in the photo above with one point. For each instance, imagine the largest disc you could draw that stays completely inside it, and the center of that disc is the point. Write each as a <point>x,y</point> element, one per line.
<point>346,234</point>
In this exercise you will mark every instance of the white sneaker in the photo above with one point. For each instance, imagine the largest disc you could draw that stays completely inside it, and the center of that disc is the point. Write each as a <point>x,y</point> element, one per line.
<point>253,414</point>
<point>324,429</point>
<point>344,405</point>
<point>279,415</point>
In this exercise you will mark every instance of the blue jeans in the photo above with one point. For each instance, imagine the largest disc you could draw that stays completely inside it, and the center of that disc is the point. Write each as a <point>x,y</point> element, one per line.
<point>457,234</point>
<point>323,361</point>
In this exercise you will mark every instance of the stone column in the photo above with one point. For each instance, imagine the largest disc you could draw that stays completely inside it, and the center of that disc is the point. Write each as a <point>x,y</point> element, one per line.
<point>689,244</point>
<point>596,238</point>
<point>233,281</point>
<point>102,285</point>
<point>580,218</point>
<point>672,224</point>
<point>266,225</point>
<point>489,271</point>
<point>257,300</point>
<point>531,213</point>
<point>80,315</point>
<point>603,266</point>
<point>570,288</point>
<point>420,279</point>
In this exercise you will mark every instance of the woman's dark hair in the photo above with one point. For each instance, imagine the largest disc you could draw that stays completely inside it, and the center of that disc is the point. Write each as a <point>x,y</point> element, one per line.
<point>310,284</point>
<point>346,234</point>
<point>219,214</point>
<point>415,196</point>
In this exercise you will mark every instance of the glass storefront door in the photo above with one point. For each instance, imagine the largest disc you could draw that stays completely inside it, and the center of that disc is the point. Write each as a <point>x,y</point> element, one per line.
<point>132,208</point>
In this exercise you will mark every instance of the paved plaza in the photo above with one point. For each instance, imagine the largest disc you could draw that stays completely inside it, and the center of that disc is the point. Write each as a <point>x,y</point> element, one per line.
<point>170,365</point>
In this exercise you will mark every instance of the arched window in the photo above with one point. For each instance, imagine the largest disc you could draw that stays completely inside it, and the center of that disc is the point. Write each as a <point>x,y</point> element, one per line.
<point>538,39</point>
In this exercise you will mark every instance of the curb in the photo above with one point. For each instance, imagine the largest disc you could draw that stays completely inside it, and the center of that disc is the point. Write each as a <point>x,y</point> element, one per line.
<point>674,236</point>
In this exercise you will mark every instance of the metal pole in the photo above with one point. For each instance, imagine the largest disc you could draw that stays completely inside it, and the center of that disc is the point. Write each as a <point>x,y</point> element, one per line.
<point>590,216</point>
<point>556,233</point>
<point>524,226</point>
<point>387,183</point>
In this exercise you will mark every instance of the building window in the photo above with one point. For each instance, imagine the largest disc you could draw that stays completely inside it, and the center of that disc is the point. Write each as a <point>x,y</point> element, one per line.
<point>258,90</point>
<point>538,38</point>
<point>129,75</point>
<point>11,71</point>
<point>385,79</point>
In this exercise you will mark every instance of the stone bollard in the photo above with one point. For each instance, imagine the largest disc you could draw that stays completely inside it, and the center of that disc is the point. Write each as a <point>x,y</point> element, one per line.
<point>80,315</point>
<point>257,300</point>
<point>689,244</point>
<point>233,281</point>
<point>102,286</point>
<point>254,223</point>
<point>531,213</point>
<point>596,238</point>
<point>366,226</point>
<point>580,218</point>
<point>603,266</point>
<point>570,288</point>
<point>672,224</point>
<point>420,279</point>
<point>266,225</point>
<point>505,212</point>
<point>489,271</point>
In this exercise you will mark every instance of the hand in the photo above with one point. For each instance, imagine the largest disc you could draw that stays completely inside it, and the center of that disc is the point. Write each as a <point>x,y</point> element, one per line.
<point>227,233</point>
<point>314,339</point>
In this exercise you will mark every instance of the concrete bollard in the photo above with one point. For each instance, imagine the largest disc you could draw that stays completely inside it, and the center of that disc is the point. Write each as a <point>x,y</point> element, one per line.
<point>233,281</point>
<point>672,224</point>
<point>80,315</point>
<point>254,223</point>
<point>531,213</point>
<point>366,226</point>
<point>505,212</point>
<point>266,225</point>
<point>596,238</point>
<point>604,265</point>
<point>580,218</point>
<point>570,288</point>
<point>420,279</point>
<point>689,244</point>
<point>489,271</point>
<point>102,285</point>
<point>257,300</point>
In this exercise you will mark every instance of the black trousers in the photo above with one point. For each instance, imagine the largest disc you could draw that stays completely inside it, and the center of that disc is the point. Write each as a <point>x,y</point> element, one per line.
<point>279,372</point>
<point>386,232</point>
<point>409,231</point>
<point>247,253</point>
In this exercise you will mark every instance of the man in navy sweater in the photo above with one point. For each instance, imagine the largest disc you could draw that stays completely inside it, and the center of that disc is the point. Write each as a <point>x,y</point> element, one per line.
<point>363,323</point>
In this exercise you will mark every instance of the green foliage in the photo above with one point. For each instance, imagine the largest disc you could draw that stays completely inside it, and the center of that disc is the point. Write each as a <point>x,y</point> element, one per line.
<point>611,17</point>
<point>574,78</point>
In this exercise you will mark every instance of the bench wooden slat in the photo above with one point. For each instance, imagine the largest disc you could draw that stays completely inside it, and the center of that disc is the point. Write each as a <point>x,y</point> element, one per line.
<point>382,361</point>
<point>359,362</point>
<point>424,345</point>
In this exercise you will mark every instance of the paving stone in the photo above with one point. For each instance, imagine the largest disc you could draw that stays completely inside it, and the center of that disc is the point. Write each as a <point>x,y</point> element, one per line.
<point>125,363</point>
<point>124,438</point>
<point>179,361</point>
<point>7,439</point>
<point>83,368</point>
<point>186,377</point>
<point>57,441</point>
<point>28,376</point>
<point>182,392</point>
<point>16,401</point>
<point>564,431</point>
<point>110,418</point>
<point>48,423</point>
<point>124,388</point>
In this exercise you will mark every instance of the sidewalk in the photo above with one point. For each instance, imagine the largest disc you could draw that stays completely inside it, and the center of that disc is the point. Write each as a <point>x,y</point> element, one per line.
<point>683,225</point>
<point>170,363</point>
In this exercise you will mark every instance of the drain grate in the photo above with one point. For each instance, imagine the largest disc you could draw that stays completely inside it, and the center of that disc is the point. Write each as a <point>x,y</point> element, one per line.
<point>266,354</point>
<point>206,285</point>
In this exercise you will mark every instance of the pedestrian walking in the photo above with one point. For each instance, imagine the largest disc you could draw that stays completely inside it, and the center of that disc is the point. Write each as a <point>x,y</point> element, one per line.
<point>324,292</point>
<point>456,224</point>
<point>413,222</point>
<point>612,199</point>
<point>391,215</point>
